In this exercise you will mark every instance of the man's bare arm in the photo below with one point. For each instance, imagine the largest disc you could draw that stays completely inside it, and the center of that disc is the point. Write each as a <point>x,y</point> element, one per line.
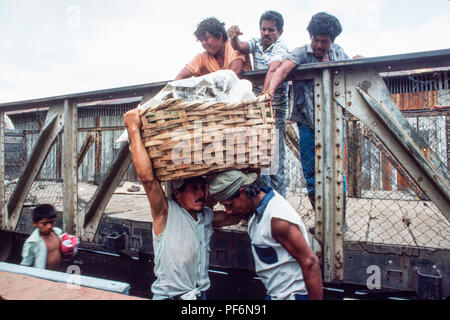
<point>222,219</point>
<point>273,66</point>
<point>279,76</point>
<point>184,73</point>
<point>237,65</point>
<point>144,170</point>
<point>291,238</point>
<point>242,46</point>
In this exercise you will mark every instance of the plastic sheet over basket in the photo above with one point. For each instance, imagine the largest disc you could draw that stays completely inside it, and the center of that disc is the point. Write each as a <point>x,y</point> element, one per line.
<point>191,138</point>
<point>220,86</point>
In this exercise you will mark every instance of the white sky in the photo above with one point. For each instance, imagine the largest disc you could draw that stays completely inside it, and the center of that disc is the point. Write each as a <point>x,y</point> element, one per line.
<point>55,47</point>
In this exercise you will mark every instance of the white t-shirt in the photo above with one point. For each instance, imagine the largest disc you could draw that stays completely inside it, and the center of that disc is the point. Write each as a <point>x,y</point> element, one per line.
<point>182,254</point>
<point>280,272</point>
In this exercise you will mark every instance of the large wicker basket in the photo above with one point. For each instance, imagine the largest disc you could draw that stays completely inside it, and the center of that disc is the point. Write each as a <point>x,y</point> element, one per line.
<point>188,139</point>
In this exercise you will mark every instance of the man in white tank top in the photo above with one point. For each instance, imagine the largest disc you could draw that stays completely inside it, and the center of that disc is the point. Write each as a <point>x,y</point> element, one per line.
<point>182,227</point>
<point>283,258</point>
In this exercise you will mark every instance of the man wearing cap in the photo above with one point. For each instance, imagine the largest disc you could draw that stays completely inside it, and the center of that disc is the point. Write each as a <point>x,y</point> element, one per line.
<point>182,226</point>
<point>284,261</point>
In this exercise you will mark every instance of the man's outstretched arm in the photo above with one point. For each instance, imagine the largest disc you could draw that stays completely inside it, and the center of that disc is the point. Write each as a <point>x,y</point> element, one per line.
<point>144,170</point>
<point>222,219</point>
<point>184,73</point>
<point>275,78</point>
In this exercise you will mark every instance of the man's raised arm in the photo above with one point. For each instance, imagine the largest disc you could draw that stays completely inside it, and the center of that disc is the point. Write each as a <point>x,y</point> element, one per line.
<point>144,170</point>
<point>233,33</point>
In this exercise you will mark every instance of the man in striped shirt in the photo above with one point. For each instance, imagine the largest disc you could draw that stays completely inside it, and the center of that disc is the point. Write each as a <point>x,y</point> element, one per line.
<point>268,53</point>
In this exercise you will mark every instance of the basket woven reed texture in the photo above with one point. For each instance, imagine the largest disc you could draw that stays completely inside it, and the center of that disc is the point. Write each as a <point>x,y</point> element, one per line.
<point>188,139</point>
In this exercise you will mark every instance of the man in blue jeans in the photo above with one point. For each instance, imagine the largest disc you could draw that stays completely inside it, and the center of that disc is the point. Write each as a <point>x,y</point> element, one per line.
<point>323,30</point>
<point>268,52</point>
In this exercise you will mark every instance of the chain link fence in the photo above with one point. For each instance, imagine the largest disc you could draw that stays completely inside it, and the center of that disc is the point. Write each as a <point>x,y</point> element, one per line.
<point>383,204</point>
<point>47,187</point>
<point>104,124</point>
<point>296,191</point>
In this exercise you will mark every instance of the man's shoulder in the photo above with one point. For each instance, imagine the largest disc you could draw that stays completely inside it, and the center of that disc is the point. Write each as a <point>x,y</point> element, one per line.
<point>58,231</point>
<point>228,47</point>
<point>280,43</point>
<point>172,204</point>
<point>199,58</point>
<point>279,207</point>
<point>34,237</point>
<point>209,214</point>
<point>336,46</point>
<point>279,204</point>
<point>299,54</point>
<point>231,54</point>
<point>278,198</point>
<point>339,51</point>
<point>208,209</point>
<point>301,50</point>
<point>252,43</point>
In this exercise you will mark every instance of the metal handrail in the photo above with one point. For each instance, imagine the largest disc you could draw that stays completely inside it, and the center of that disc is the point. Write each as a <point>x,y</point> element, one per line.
<point>409,61</point>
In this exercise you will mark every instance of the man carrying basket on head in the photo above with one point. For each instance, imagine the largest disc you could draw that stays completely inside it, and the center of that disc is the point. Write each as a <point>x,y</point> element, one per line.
<point>182,226</point>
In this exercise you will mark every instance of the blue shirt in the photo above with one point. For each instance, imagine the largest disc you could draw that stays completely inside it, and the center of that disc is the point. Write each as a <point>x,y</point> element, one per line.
<point>303,108</point>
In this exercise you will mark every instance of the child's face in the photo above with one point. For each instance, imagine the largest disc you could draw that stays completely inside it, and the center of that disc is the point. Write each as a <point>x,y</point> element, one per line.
<point>45,225</point>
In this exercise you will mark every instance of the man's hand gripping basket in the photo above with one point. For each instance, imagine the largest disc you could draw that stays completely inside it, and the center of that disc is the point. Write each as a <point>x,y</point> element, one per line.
<point>187,139</point>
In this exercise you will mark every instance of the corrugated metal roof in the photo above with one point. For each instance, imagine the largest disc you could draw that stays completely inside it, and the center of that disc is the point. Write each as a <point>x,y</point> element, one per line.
<point>413,72</point>
<point>26,111</point>
<point>110,102</point>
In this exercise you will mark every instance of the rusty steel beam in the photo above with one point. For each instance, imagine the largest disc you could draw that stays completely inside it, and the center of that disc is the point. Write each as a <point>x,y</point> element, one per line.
<point>70,172</point>
<point>94,130</point>
<point>329,185</point>
<point>447,135</point>
<point>98,157</point>
<point>430,174</point>
<point>367,98</point>
<point>88,141</point>
<point>410,182</point>
<point>319,156</point>
<point>354,165</point>
<point>292,140</point>
<point>2,170</point>
<point>37,158</point>
<point>59,158</point>
<point>94,210</point>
